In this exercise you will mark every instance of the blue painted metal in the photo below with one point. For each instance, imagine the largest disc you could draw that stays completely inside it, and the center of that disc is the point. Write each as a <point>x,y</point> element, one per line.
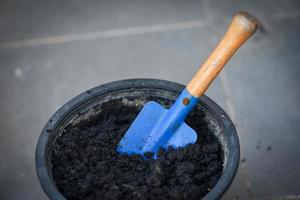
<point>157,127</point>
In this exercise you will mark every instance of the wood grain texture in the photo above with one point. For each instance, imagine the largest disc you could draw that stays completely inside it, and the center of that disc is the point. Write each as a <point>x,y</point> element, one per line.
<point>241,28</point>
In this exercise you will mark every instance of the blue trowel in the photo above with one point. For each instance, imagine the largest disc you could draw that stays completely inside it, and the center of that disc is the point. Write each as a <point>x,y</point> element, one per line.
<point>156,126</point>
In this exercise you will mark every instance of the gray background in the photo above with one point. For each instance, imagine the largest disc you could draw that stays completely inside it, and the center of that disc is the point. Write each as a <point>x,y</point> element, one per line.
<point>51,51</point>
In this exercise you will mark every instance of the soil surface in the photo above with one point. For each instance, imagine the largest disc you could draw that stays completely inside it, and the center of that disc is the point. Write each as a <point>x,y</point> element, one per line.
<point>85,164</point>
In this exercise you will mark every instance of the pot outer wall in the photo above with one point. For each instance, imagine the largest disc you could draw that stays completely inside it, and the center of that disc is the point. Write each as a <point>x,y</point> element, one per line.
<point>226,133</point>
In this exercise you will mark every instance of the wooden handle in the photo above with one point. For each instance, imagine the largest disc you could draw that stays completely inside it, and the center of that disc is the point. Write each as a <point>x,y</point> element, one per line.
<point>241,28</point>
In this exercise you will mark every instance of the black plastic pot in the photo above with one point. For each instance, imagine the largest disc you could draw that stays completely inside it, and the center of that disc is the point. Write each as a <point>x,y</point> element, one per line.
<point>219,120</point>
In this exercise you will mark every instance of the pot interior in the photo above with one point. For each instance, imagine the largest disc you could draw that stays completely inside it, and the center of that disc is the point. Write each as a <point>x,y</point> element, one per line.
<point>76,124</point>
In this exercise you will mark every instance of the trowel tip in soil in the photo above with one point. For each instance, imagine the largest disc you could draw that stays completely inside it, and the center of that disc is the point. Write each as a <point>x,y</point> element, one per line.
<point>157,127</point>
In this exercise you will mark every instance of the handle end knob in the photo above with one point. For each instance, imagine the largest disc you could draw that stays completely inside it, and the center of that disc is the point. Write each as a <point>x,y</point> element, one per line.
<point>246,21</point>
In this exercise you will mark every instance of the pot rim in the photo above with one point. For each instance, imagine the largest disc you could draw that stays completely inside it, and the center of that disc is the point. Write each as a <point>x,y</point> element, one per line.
<point>218,190</point>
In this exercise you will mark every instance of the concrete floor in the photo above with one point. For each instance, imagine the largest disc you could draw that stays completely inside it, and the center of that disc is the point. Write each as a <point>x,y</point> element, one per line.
<point>51,51</point>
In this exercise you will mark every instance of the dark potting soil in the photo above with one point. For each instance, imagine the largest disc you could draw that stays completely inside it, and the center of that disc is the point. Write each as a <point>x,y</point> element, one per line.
<point>85,164</point>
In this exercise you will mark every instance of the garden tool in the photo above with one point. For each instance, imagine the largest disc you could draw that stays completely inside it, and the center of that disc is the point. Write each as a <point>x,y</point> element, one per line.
<point>156,127</point>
